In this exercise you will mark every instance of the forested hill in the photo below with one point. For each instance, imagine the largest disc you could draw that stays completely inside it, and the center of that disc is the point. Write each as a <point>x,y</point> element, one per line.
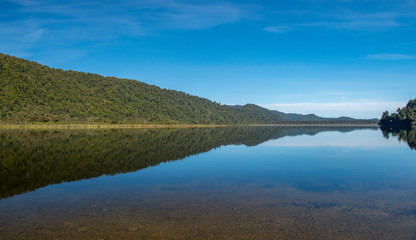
<point>32,93</point>
<point>404,117</point>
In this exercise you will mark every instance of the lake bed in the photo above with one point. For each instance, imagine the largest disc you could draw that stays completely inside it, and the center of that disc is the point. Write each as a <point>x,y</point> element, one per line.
<point>212,183</point>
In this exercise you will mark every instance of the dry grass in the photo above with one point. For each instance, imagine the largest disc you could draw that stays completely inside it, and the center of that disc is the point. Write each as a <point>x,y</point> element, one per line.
<point>104,126</point>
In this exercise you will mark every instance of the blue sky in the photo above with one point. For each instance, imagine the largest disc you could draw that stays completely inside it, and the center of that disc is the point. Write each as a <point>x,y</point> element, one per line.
<point>329,57</point>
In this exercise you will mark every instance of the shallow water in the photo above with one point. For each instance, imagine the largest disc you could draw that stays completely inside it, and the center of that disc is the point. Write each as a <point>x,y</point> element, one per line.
<point>216,183</point>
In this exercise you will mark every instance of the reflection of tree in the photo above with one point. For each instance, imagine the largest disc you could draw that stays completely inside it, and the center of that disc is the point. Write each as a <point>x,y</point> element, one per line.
<point>407,135</point>
<point>30,159</point>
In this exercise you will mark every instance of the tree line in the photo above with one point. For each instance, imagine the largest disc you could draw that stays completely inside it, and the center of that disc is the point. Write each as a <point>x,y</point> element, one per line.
<point>405,117</point>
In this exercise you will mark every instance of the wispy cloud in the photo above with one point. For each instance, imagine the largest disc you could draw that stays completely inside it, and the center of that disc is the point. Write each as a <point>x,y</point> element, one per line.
<point>357,25</point>
<point>35,35</point>
<point>372,25</point>
<point>26,2</point>
<point>348,18</point>
<point>355,20</point>
<point>200,16</point>
<point>60,24</point>
<point>161,14</point>
<point>278,29</point>
<point>390,56</point>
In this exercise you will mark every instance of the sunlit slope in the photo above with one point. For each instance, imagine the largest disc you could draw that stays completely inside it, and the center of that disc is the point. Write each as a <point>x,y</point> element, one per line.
<point>31,92</point>
<point>35,93</point>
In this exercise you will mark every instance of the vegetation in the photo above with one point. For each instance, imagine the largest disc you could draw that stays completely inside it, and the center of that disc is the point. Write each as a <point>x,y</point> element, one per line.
<point>34,93</point>
<point>404,117</point>
<point>31,92</point>
<point>30,159</point>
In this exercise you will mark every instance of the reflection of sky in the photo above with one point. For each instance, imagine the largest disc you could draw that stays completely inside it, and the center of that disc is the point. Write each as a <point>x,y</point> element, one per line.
<point>361,160</point>
<point>346,184</point>
<point>328,161</point>
<point>358,139</point>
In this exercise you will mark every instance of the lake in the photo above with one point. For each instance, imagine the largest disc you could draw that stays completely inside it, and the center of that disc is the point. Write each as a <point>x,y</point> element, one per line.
<point>208,183</point>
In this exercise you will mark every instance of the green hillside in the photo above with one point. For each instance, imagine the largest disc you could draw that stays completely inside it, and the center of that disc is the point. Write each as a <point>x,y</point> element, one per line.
<point>34,93</point>
<point>31,92</point>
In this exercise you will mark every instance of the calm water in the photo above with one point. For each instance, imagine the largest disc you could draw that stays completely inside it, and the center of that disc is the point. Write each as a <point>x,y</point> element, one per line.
<point>208,183</point>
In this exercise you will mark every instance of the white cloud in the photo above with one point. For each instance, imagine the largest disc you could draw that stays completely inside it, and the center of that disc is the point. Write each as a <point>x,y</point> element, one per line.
<point>390,56</point>
<point>358,109</point>
<point>356,24</point>
<point>201,16</point>
<point>26,2</point>
<point>350,19</point>
<point>278,29</point>
<point>48,24</point>
<point>35,35</point>
<point>162,14</point>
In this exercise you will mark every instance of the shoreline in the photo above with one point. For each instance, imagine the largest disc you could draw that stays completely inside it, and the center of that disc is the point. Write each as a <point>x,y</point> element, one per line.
<point>153,126</point>
<point>104,126</point>
<point>315,125</point>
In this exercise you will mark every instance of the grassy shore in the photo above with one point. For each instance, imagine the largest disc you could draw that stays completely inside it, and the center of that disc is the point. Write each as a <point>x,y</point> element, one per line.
<point>93,126</point>
<point>116,126</point>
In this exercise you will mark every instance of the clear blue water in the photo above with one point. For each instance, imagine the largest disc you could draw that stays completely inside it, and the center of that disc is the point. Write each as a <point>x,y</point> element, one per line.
<point>303,183</point>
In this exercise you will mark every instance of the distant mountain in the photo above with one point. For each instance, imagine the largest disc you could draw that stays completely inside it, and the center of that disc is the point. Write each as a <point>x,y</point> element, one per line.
<point>33,93</point>
<point>294,117</point>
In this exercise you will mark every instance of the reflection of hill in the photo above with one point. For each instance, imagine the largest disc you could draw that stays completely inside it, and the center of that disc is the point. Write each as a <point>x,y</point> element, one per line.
<point>407,135</point>
<point>30,159</point>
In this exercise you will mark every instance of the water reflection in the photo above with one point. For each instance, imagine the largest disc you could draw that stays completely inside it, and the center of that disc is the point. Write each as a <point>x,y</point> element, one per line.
<point>406,135</point>
<point>301,183</point>
<point>30,159</point>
